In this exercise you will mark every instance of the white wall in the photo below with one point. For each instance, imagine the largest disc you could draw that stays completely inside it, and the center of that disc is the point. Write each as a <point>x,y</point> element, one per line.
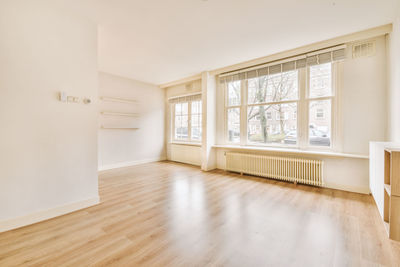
<point>180,152</point>
<point>124,147</point>
<point>394,80</point>
<point>48,149</point>
<point>363,100</point>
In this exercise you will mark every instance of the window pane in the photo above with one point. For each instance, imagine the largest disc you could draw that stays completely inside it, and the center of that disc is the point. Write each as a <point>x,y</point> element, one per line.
<point>257,88</point>
<point>234,93</point>
<point>178,109</point>
<point>196,127</point>
<point>273,88</point>
<point>320,80</point>
<point>320,123</point>
<point>272,124</point>
<point>178,123</point>
<point>283,86</point>
<point>196,107</point>
<point>185,108</point>
<point>234,125</point>
<point>181,127</point>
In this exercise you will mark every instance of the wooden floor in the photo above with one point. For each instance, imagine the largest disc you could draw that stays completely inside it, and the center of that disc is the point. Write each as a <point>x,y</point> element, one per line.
<point>169,214</point>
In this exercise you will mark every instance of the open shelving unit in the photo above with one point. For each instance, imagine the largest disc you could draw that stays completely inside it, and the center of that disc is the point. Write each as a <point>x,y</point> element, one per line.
<point>113,119</point>
<point>391,210</point>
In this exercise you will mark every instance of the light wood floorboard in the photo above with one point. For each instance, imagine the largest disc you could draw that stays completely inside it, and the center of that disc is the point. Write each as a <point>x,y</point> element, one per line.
<point>171,214</point>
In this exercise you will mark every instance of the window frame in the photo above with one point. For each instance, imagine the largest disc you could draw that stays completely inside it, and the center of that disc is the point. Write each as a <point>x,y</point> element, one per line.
<point>173,116</point>
<point>302,113</point>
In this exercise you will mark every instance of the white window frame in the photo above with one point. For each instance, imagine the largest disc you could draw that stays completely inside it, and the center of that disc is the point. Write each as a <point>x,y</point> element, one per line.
<point>189,139</point>
<point>302,114</point>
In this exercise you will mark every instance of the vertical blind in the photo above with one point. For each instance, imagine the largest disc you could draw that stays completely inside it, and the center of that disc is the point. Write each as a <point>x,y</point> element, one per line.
<point>301,61</point>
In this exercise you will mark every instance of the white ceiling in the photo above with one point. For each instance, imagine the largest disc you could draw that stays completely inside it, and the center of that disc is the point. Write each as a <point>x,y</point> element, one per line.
<point>158,41</point>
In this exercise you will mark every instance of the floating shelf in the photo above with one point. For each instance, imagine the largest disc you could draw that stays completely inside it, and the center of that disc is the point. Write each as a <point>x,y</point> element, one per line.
<point>110,113</point>
<point>119,128</point>
<point>118,99</point>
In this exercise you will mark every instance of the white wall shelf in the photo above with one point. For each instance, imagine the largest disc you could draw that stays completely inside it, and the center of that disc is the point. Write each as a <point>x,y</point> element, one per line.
<point>118,99</point>
<point>121,114</point>
<point>118,128</point>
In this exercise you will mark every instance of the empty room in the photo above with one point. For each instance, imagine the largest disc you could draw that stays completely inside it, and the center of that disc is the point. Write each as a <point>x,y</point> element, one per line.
<point>199,133</point>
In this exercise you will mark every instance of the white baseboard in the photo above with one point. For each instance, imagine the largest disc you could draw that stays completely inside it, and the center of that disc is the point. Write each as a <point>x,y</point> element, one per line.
<point>32,218</point>
<point>129,163</point>
<point>354,189</point>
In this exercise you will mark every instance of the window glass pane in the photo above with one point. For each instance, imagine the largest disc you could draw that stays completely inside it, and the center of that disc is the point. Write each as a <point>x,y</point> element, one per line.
<point>283,86</point>
<point>257,88</point>
<point>183,129</point>
<point>178,123</point>
<point>272,124</point>
<point>320,80</point>
<point>196,107</point>
<point>234,93</point>
<point>181,120</point>
<point>234,125</point>
<point>273,88</point>
<point>320,123</point>
<point>185,108</point>
<point>196,127</point>
<point>178,109</point>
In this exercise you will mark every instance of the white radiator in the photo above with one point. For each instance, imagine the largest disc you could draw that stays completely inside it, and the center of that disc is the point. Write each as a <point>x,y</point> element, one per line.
<point>297,170</point>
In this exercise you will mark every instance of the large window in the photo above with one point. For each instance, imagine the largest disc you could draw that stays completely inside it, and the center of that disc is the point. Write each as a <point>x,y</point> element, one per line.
<point>272,103</point>
<point>187,121</point>
<point>286,108</point>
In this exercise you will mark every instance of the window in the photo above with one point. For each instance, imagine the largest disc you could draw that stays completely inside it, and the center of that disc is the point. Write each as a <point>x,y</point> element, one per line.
<point>181,121</point>
<point>285,108</point>
<point>233,111</point>
<point>187,122</point>
<point>320,95</point>
<point>266,94</point>
<point>196,121</point>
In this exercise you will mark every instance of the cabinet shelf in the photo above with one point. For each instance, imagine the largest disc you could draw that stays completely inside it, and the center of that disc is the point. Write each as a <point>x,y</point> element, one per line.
<point>391,203</point>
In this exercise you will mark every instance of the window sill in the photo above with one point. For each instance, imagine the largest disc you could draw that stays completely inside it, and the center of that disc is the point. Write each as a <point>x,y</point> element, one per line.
<point>185,143</point>
<point>292,151</point>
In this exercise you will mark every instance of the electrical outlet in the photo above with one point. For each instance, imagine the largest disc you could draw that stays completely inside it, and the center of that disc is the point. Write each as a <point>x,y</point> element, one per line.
<point>63,97</point>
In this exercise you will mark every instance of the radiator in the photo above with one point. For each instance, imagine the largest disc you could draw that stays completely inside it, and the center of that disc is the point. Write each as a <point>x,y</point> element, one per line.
<point>297,170</point>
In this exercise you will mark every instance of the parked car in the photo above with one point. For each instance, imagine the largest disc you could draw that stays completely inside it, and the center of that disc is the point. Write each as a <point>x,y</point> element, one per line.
<point>290,138</point>
<point>317,138</point>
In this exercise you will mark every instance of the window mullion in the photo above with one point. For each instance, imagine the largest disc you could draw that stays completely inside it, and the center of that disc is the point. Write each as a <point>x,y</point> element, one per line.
<point>302,116</point>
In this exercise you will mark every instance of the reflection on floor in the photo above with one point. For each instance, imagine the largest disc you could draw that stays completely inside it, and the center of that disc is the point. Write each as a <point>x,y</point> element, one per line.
<point>165,213</point>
